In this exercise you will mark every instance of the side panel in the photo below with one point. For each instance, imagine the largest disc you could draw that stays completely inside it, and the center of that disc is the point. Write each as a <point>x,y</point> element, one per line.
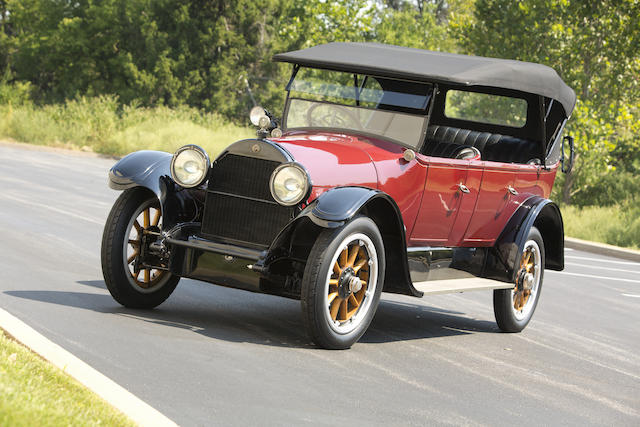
<point>495,204</point>
<point>441,201</point>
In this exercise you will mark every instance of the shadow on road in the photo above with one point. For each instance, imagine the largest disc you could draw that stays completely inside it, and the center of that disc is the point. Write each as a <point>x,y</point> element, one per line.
<point>238,316</point>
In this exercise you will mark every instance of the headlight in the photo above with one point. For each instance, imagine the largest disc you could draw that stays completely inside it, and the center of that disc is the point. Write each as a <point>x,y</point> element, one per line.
<point>289,184</point>
<point>189,166</point>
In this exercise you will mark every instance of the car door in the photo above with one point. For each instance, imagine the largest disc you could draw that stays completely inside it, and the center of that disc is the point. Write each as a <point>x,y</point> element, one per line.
<point>447,202</point>
<point>496,203</point>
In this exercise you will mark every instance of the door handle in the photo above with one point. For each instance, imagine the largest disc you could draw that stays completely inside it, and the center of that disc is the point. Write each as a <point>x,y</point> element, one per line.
<point>464,188</point>
<point>512,190</point>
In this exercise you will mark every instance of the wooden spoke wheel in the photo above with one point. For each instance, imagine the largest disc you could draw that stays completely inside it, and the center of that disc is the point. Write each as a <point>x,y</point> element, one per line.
<point>514,307</point>
<point>141,227</point>
<point>348,280</point>
<point>342,283</point>
<point>134,276</point>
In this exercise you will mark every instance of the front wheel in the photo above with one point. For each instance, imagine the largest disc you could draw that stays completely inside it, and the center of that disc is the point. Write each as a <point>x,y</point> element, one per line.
<point>342,283</point>
<point>127,263</point>
<point>513,308</point>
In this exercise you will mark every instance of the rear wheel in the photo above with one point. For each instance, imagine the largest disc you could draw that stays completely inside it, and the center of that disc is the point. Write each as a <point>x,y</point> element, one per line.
<point>126,259</point>
<point>513,308</point>
<point>342,283</point>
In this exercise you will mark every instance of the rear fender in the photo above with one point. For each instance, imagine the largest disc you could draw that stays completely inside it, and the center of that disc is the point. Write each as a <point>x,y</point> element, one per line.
<point>151,170</point>
<point>534,212</point>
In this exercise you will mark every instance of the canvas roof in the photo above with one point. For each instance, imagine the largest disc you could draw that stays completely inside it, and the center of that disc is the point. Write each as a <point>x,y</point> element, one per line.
<point>424,65</point>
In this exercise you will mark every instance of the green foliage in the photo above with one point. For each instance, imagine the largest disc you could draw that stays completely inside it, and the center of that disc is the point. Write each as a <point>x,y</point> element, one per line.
<point>616,225</point>
<point>102,125</point>
<point>105,72</point>
<point>595,46</point>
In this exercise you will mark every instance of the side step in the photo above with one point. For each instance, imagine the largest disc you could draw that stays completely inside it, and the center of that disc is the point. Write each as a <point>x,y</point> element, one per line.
<point>432,287</point>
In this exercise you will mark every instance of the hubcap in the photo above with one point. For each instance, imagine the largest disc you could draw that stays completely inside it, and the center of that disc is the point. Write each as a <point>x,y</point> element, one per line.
<point>527,280</point>
<point>350,283</point>
<point>147,219</point>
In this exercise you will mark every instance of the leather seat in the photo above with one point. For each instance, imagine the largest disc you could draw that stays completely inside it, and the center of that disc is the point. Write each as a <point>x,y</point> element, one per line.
<point>444,141</point>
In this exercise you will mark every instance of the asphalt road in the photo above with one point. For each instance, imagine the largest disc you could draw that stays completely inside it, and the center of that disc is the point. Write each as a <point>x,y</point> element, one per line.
<point>212,355</point>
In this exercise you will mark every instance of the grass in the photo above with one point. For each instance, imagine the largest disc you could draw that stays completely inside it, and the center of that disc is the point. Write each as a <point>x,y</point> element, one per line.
<point>616,225</point>
<point>33,392</point>
<point>103,126</point>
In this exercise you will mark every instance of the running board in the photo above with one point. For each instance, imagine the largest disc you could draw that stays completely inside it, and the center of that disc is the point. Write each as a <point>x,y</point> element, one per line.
<point>432,287</point>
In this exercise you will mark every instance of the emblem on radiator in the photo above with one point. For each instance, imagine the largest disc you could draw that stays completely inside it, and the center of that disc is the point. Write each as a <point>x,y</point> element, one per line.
<point>255,148</point>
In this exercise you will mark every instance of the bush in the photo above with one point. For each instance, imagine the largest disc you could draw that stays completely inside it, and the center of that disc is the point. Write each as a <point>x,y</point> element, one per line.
<point>616,225</point>
<point>100,124</point>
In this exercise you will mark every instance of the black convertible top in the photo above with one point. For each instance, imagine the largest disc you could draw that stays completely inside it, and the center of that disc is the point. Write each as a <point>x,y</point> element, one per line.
<point>425,65</point>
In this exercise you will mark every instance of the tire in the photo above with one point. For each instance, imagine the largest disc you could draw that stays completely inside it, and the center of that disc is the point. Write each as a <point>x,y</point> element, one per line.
<point>514,308</point>
<point>336,311</point>
<point>134,206</point>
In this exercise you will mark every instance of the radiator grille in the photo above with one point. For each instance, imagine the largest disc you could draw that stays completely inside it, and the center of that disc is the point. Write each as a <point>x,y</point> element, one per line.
<point>244,176</point>
<point>239,205</point>
<point>245,220</point>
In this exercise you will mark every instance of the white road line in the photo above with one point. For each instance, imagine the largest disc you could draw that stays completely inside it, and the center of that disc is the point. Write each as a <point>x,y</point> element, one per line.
<point>604,268</point>
<point>603,260</point>
<point>51,208</point>
<point>568,250</point>
<point>631,295</point>
<point>593,277</point>
<point>139,411</point>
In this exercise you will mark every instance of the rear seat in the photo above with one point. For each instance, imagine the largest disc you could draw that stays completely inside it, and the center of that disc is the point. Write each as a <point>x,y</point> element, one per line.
<point>444,141</point>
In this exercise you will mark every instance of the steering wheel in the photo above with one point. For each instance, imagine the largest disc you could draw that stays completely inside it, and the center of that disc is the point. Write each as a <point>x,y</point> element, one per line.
<point>336,116</point>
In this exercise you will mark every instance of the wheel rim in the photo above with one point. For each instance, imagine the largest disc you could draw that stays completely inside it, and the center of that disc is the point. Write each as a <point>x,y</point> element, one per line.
<point>148,217</point>
<point>525,293</point>
<point>351,283</point>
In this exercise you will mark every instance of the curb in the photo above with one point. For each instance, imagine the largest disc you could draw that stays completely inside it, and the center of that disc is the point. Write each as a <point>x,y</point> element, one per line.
<point>133,407</point>
<point>602,249</point>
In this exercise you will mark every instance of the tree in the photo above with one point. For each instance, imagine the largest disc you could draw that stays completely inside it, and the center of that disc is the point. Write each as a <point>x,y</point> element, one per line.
<point>595,46</point>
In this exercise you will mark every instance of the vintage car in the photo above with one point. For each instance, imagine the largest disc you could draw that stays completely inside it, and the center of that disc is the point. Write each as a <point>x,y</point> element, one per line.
<point>392,169</point>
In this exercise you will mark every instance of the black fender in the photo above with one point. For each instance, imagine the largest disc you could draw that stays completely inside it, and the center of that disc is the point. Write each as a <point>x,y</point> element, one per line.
<point>151,170</point>
<point>546,217</point>
<point>336,207</point>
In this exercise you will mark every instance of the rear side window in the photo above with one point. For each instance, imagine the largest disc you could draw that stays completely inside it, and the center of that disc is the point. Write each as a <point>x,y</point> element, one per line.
<point>486,108</point>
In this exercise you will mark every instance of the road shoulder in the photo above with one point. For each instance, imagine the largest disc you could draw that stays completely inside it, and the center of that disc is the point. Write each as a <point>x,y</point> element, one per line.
<point>136,409</point>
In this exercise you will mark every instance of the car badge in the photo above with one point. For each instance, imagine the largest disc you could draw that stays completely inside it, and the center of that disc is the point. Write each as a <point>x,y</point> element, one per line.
<point>255,148</point>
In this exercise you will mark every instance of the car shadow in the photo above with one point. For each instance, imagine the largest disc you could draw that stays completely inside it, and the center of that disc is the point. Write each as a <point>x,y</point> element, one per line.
<point>264,319</point>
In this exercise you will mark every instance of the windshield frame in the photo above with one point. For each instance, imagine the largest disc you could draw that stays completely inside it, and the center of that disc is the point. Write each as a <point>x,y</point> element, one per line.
<point>425,116</point>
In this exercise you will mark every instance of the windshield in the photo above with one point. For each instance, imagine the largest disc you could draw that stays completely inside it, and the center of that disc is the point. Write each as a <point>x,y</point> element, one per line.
<point>332,100</point>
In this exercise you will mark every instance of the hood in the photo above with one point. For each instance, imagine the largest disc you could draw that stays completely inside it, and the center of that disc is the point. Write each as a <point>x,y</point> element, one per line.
<point>334,159</point>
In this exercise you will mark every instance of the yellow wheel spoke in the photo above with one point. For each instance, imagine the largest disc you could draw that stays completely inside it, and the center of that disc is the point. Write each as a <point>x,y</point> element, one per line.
<point>147,275</point>
<point>333,282</point>
<point>156,218</point>
<point>335,306</point>
<point>361,263</point>
<point>138,227</point>
<point>343,258</point>
<point>332,296</point>
<point>146,218</point>
<point>336,268</point>
<point>343,310</point>
<point>354,301</point>
<point>132,257</point>
<point>353,255</point>
<point>134,243</point>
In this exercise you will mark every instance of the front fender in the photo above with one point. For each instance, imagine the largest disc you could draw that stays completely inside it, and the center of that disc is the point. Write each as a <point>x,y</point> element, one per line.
<point>340,204</point>
<point>337,206</point>
<point>151,170</point>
